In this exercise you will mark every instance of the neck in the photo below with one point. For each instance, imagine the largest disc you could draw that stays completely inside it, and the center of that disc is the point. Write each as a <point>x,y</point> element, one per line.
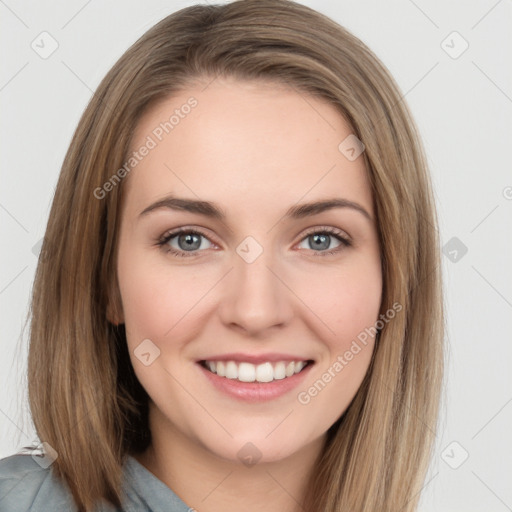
<point>209,483</point>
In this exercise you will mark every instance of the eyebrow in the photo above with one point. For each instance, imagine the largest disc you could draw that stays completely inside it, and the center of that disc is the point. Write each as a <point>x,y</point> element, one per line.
<point>209,209</point>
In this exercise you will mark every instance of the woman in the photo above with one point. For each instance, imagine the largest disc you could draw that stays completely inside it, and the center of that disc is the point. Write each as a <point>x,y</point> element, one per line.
<point>240,301</point>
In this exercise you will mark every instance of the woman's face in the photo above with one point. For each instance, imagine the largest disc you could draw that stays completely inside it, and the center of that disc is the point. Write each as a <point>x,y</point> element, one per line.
<point>261,284</point>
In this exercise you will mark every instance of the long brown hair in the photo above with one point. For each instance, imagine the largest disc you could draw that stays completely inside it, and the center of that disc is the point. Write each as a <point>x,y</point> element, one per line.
<point>85,399</point>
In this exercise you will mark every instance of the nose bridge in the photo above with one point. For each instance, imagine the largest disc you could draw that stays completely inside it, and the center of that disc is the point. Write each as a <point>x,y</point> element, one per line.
<point>255,298</point>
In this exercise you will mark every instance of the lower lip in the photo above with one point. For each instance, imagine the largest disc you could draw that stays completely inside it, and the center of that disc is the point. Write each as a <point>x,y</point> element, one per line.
<point>255,391</point>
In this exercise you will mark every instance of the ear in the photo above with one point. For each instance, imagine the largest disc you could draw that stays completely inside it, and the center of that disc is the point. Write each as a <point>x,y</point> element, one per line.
<point>115,313</point>
<point>114,317</point>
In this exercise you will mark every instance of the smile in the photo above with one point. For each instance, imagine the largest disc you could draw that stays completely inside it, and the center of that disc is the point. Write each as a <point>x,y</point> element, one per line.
<point>248,372</point>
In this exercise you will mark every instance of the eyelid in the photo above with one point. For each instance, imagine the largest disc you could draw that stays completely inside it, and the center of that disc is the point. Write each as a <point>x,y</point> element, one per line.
<point>171,233</point>
<point>341,235</point>
<point>330,230</point>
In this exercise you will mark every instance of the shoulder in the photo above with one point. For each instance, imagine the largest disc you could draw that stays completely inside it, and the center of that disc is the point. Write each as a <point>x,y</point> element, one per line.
<point>26,483</point>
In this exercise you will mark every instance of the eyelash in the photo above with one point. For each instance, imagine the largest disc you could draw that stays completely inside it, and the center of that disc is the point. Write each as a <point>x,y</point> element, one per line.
<point>317,231</point>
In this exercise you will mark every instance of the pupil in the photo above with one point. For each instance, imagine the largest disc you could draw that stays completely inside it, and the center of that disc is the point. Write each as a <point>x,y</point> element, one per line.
<point>189,241</point>
<point>321,241</point>
<point>192,241</point>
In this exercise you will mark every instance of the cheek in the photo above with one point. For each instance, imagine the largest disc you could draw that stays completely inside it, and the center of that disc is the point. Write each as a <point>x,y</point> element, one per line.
<point>162,305</point>
<point>156,299</point>
<point>162,302</point>
<point>347,301</point>
<point>349,305</point>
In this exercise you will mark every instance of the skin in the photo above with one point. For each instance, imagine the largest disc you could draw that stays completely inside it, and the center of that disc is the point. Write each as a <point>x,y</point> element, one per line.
<point>255,149</point>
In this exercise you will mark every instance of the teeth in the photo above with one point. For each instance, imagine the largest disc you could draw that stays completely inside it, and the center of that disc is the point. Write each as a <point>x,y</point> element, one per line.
<point>264,372</point>
<point>247,372</point>
<point>279,371</point>
<point>231,370</point>
<point>299,366</point>
<point>221,369</point>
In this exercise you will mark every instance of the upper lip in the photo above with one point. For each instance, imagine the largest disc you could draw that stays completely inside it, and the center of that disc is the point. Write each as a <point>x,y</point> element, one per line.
<point>254,359</point>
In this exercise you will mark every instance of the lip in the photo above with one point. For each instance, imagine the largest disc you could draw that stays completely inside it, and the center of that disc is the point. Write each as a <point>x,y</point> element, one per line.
<point>255,358</point>
<point>255,391</point>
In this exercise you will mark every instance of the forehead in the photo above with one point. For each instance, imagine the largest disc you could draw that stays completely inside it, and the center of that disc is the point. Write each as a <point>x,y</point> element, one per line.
<point>244,145</point>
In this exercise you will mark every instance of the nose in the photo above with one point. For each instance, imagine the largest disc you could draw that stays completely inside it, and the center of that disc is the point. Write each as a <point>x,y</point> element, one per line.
<point>255,297</point>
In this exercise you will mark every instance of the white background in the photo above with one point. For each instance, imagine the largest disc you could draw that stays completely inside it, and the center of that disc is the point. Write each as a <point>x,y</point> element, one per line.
<point>463,107</point>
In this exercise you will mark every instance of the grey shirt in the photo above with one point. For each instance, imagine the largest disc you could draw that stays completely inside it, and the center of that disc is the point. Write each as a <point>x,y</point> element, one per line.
<point>26,486</point>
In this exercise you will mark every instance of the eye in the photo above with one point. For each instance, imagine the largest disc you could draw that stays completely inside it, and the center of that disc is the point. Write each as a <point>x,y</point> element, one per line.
<point>185,242</point>
<point>321,239</point>
<point>188,242</point>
